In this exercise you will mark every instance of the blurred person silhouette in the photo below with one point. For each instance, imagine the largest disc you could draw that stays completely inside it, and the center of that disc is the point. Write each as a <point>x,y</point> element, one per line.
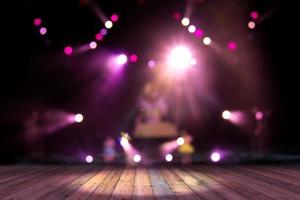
<point>186,149</point>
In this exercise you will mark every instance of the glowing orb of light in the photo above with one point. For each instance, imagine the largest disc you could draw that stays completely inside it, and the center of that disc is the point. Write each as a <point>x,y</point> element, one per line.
<point>191,28</point>
<point>108,24</point>
<point>179,58</point>
<point>185,21</point>
<point>180,141</point>
<point>251,25</point>
<point>121,59</point>
<point>215,156</point>
<point>137,158</point>
<point>206,40</point>
<point>226,114</point>
<point>89,159</point>
<point>169,157</point>
<point>78,118</point>
<point>93,45</point>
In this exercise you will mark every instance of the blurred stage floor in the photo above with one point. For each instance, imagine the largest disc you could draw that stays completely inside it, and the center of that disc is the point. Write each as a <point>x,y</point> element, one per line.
<point>281,181</point>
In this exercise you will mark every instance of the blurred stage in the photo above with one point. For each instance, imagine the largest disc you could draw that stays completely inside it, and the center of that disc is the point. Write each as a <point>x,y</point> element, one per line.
<point>161,182</point>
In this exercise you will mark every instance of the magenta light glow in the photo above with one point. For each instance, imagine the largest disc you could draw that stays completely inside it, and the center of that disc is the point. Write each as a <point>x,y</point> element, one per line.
<point>251,25</point>
<point>43,30</point>
<point>169,157</point>
<point>89,159</point>
<point>133,58</point>
<point>93,45</point>
<point>177,15</point>
<point>99,36</point>
<point>137,158</point>
<point>37,21</point>
<point>168,147</point>
<point>254,15</point>
<point>151,63</point>
<point>198,33</point>
<point>78,118</point>
<point>232,46</point>
<point>103,31</point>
<point>215,156</point>
<point>259,115</point>
<point>68,50</point>
<point>114,18</point>
<point>121,59</point>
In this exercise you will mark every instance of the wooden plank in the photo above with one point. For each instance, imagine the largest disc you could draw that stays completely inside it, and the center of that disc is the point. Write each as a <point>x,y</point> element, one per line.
<point>181,190</point>
<point>142,186</point>
<point>42,182</point>
<point>275,179</point>
<point>24,182</point>
<point>160,188</point>
<point>233,184</point>
<point>200,187</point>
<point>67,190</point>
<point>106,188</point>
<point>84,191</point>
<point>124,188</point>
<point>254,183</point>
<point>19,173</point>
<point>221,189</point>
<point>64,179</point>
<point>283,170</point>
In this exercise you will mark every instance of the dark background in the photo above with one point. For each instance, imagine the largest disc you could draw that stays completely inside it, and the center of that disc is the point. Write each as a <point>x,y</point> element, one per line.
<point>36,75</point>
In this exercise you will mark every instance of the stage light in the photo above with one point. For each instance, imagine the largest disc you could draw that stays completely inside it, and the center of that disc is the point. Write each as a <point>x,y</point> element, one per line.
<point>43,30</point>
<point>137,158</point>
<point>193,61</point>
<point>192,29</point>
<point>251,25</point>
<point>226,114</point>
<point>108,24</point>
<point>121,59</point>
<point>151,63</point>
<point>180,141</point>
<point>206,40</point>
<point>99,36</point>
<point>179,59</point>
<point>169,157</point>
<point>259,115</point>
<point>93,45</point>
<point>114,18</point>
<point>232,46</point>
<point>103,31</point>
<point>215,157</point>
<point>185,21</point>
<point>37,21</point>
<point>198,33</point>
<point>89,159</point>
<point>133,58</point>
<point>78,118</point>
<point>124,142</point>
<point>254,15</point>
<point>68,50</point>
<point>176,15</point>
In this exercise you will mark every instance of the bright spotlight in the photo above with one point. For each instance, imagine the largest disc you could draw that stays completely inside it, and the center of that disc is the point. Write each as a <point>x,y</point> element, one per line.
<point>251,25</point>
<point>133,58</point>
<point>179,58</point>
<point>206,40</point>
<point>226,114</point>
<point>169,157</point>
<point>93,45</point>
<point>68,50</point>
<point>151,63</point>
<point>37,21</point>
<point>114,17</point>
<point>259,115</point>
<point>89,159</point>
<point>180,141</point>
<point>137,158</point>
<point>185,21</point>
<point>121,59</point>
<point>215,156</point>
<point>108,24</point>
<point>43,30</point>
<point>124,142</point>
<point>78,118</point>
<point>192,29</point>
